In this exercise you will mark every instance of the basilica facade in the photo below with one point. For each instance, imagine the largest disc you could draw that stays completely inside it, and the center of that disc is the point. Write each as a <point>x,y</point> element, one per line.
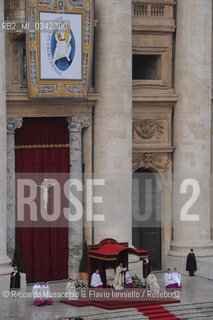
<point>148,113</point>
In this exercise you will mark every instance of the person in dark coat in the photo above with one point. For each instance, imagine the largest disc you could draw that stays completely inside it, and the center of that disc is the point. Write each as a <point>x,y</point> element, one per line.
<point>15,280</point>
<point>191,264</point>
<point>147,268</point>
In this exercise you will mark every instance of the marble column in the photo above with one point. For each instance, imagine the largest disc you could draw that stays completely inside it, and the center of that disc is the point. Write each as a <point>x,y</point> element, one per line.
<point>192,129</point>
<point>12,125</point>
<point>76,125</point>
<point>113,120</point>
<point>4,260</point>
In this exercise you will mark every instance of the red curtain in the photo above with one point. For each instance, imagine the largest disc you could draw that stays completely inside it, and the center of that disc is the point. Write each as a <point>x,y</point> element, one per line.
<point>44,251</point>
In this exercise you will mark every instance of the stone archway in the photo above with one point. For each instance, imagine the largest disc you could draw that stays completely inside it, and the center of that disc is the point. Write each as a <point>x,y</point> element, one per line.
<point>160,164</point>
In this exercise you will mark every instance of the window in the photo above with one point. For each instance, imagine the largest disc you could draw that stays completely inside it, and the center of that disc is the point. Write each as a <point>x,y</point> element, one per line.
<point>146,67</point>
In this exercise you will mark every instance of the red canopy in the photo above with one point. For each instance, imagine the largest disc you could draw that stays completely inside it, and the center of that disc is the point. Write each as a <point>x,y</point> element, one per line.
<point>108,253</point>
<point>108,249</point>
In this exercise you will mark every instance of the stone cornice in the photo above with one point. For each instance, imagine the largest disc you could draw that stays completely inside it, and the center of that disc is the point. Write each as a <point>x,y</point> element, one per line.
<point>22,97</point>
<point>19,105</point>
<point>162,2</point>
<point>154,150</point>
<point>155,97</point>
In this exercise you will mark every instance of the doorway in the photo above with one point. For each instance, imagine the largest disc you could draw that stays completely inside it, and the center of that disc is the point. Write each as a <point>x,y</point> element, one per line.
<point>146,214</point>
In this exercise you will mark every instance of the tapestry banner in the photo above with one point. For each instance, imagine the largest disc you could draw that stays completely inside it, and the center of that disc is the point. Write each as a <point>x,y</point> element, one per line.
<point>59,45</point>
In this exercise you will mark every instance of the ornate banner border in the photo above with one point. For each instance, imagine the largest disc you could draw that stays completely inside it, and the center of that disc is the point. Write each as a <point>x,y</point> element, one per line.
<point>59,88</point>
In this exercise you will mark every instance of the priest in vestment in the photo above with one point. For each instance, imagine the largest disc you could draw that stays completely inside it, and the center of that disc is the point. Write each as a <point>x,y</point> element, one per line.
<point>119,277</point>
<point>153,282</point>
<point>96,280</point>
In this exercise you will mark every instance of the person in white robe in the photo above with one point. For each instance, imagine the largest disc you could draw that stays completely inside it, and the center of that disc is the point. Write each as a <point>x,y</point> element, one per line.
<point>96,280</point>
<point>168,280</point>
<point>128,279</point>
<point>119,277</point>
<point>46,294</point>
<point>110,275</point>
<point>71,291</point>
<point>176,276</point>
<point>153,282</point>
<point>37,295</point>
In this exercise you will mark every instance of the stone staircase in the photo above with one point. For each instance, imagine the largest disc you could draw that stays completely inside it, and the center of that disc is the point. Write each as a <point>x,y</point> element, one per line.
<point>132,314</point>
<point>199,311</point>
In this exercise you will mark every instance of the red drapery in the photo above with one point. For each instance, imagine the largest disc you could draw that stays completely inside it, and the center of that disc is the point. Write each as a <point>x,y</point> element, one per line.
<point>44,251</point>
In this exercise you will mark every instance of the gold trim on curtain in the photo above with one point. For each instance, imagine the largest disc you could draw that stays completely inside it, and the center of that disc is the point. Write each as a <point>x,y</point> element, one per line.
<point>42,146</point>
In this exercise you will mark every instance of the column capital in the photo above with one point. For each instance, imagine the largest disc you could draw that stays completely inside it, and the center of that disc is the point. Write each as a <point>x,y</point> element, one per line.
<point>13,124</point>
<point>77,123</point>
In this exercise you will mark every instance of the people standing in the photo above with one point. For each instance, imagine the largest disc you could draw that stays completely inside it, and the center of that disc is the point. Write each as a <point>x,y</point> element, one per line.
<point>147,268</point>
<point>96,280</point>
<point>191,264</point>
<point>119,277</point>
<point>15,280</point>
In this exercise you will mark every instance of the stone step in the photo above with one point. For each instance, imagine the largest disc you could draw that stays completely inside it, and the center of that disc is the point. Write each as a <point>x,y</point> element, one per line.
<point>192,310</point>
<point>187,306</point>
<point>202,318</point>
<point>129,314</point>
<point>201,311</point>
<point>134,315</point>
<point>203,315</point>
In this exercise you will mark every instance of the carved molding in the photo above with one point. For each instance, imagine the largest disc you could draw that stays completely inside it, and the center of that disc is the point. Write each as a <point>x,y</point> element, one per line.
<point>77,123</point>
<point>148,129</point>
<point>161,162</point>
<point>75,251</point>
<point>13,124</point>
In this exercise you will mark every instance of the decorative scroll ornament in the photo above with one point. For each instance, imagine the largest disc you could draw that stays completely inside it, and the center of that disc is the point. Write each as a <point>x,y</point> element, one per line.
<point>159,161</point>
<point>148,129</point>
<point>59,47</point>
<point>13,124</point>
<point>78,123</point>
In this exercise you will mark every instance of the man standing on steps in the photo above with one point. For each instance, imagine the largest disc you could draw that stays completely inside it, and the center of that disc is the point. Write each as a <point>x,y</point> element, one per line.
<point>191,264</point>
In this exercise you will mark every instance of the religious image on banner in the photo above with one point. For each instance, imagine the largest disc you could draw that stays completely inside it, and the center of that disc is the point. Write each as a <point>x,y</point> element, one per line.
<point>59,47</point>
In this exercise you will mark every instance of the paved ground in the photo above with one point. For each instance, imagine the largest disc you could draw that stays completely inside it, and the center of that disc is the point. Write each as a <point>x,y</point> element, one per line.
<point>195,291</point>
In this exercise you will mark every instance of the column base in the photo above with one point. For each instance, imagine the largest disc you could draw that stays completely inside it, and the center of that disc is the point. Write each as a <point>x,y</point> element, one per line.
<point>5,267</point>
<point>201,249</point>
